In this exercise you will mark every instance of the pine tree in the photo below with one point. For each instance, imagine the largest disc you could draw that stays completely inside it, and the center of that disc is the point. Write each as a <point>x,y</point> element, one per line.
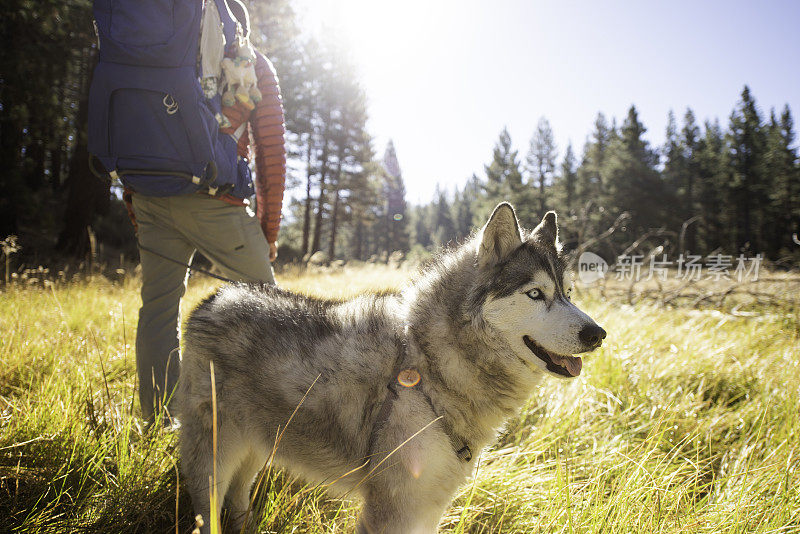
<point>690,134</point>
<point>366,218</point>
<point>632,182</point>
<point>781,165</point>
<point>422,225</point>
<point>746,149</point>
<point>461,214</point>
<point>395,191</point>
<point>502,174</point>
<point>712,187</point>
<point>354,155</point>
<point>340,146</point>
<point>43,122</point>
<point>568,180</point>
<point>680,174</point>
<point>305,122</point>
<point>541,161</point>
<point>673,158</point>
<point>590,179</point>
<point>504,168</point>
<point>444,231</point>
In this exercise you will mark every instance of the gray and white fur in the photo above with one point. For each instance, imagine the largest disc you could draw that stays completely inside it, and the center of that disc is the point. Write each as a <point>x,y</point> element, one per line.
<point>482,325</point>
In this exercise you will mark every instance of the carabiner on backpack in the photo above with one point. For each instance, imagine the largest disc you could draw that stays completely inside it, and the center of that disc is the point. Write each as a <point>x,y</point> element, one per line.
<point>170,104</point>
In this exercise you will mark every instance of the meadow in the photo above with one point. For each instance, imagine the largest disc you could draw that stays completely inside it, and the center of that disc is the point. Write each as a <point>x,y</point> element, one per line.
<point>687,420</point>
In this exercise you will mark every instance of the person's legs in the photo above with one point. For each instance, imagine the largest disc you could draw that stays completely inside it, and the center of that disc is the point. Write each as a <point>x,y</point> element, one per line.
<point>163,285</point>
<point>229,236</point>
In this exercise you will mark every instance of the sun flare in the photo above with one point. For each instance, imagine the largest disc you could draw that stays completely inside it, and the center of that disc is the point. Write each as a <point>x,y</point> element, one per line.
<point>383,37</point>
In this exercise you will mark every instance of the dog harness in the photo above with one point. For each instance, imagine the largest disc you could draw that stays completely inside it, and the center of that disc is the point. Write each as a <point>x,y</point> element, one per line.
<point>409,377</point>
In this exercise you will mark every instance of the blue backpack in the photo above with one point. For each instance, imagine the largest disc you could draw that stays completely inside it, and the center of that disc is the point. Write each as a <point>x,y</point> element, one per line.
<point>150,125</point>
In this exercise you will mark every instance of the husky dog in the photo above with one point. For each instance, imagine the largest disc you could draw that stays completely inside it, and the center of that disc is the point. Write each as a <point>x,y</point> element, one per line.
<point>393,395</point>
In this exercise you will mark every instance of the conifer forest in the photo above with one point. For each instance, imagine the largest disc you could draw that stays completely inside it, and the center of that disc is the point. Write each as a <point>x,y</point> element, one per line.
<point>678,238</point>
<point>727,185</point>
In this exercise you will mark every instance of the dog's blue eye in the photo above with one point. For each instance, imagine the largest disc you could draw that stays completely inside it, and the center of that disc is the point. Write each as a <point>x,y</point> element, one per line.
<point>535,294</point>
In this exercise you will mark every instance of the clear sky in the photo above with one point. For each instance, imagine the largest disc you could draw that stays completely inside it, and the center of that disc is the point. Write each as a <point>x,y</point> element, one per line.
<point>444,76</point>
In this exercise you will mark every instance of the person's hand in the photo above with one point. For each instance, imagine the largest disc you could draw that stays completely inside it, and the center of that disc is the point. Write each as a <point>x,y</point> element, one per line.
<point>273,251</point>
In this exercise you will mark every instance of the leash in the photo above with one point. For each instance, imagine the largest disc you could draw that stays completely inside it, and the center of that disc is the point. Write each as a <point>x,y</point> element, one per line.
<point>410,378</point>
<point>196,269</point>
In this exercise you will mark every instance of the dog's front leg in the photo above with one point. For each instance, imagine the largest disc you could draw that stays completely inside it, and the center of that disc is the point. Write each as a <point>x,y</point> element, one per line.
<point>405,524</point>
<point>393,513</point>
<point>237,500</point>
<point>197,459</point>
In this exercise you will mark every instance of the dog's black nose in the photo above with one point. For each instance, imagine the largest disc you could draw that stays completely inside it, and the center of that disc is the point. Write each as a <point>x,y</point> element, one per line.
<point>592,335</point>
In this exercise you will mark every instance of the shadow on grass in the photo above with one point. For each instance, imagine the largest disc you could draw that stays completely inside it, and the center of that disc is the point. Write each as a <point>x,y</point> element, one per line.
<point>60,484</point>
<point>63,484</point>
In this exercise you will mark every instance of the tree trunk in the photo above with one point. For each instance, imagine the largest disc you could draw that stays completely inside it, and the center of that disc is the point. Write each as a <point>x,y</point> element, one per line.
<point>56,154</point>
<point>11,188</point>
<point>387,225</point>
<point>307,207</point>
<point>358,239</point>
<point>570,193</point>
<point>87,194</point>
<point>334,216</point>
<point>788,211</point>
<point>35,174</point>
<point>542,203</point>
<point>691,242</point>
<point>745,237</point>
<point>315,243</point>
<point>57,135</point>
<point>335,210</point>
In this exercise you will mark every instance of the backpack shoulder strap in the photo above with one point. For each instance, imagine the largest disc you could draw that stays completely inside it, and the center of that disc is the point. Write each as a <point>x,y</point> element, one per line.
<point>228,21</point>
<point>218,32</point>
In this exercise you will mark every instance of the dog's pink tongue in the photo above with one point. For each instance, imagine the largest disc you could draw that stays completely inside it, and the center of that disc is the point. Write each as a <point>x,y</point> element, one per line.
<point>573,364</point>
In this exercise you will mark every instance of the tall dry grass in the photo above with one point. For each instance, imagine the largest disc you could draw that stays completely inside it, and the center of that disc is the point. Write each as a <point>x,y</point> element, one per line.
<point>685,421</point>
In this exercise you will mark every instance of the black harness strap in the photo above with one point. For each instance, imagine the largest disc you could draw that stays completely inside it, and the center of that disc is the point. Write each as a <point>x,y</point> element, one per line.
<point>197,269</point>
<point>410,378</point>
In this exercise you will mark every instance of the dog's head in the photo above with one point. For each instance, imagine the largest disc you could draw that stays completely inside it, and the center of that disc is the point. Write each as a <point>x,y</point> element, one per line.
<point>528,292</point>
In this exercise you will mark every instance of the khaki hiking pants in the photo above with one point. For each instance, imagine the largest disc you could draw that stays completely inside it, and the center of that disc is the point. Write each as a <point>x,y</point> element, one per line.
<point>229,236</point>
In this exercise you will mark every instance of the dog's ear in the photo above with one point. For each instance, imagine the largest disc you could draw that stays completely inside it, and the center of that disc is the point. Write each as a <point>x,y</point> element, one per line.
<point>547,231</point>
<point>500,236</point>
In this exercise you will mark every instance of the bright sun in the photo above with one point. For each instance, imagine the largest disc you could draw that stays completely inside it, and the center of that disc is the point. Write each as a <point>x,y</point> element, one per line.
<point>383,36</point>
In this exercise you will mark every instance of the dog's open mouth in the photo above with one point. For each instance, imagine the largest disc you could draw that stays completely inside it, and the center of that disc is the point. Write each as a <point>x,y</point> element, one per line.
<point>569,366</point>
